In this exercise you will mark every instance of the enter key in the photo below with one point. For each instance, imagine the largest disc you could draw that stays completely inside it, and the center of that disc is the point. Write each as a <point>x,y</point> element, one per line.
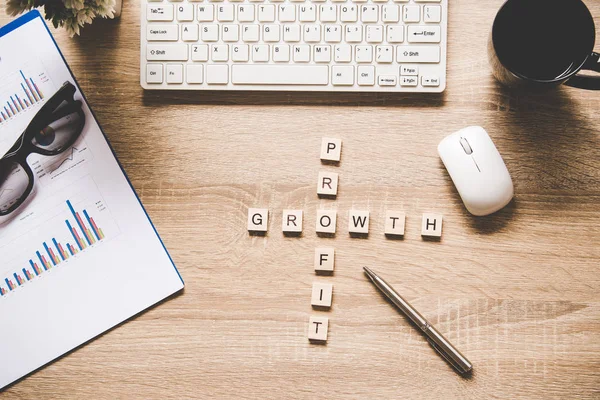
<point>424,34</point>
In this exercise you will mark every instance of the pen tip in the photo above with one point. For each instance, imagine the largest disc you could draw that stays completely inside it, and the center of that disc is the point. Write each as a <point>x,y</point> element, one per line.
<point>368,271</point>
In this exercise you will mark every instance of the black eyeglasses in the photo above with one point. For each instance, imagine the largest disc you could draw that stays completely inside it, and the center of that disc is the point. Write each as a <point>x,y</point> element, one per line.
<point>53,129</point>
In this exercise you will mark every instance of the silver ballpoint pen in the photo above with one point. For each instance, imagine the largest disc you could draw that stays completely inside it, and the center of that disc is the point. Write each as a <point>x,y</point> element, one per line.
<point>435,339</point>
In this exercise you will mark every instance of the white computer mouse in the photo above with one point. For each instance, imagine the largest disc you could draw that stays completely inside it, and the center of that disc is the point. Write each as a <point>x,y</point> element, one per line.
<point>477,170</point>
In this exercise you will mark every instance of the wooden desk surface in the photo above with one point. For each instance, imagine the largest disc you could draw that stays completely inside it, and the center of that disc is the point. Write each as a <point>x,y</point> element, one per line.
<point>517,292</point>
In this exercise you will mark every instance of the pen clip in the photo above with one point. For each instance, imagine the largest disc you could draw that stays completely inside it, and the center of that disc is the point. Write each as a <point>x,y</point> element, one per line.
<point>448,359</point>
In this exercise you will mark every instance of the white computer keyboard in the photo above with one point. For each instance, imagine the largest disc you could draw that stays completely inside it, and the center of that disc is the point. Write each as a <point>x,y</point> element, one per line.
<point>311,45</point>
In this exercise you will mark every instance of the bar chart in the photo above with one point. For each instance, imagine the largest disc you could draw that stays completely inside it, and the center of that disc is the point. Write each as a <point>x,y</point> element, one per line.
<point>29,95</point>
<point>23,91</point>
<point>78,232</point>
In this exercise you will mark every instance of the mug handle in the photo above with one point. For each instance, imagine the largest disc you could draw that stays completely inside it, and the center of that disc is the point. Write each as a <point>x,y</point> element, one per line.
<point>587,82</point>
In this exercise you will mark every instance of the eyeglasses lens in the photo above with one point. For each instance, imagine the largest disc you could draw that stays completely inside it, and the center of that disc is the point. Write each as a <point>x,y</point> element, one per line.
<point>13,184</point>
<point>60,130</point>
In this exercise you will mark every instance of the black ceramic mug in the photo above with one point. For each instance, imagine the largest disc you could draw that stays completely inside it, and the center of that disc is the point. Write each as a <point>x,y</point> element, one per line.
<point>544,43</point>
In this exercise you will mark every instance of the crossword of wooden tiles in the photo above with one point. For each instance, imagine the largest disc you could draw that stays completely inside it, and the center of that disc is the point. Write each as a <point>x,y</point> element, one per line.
<point>326,224</point>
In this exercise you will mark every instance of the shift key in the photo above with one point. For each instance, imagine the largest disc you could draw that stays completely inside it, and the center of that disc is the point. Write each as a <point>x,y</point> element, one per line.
<point>166,52</point>
<point>418,54</point>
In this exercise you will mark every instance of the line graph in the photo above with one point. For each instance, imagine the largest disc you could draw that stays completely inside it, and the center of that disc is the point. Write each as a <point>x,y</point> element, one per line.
<point>70,156</point>
<point>47,169</point>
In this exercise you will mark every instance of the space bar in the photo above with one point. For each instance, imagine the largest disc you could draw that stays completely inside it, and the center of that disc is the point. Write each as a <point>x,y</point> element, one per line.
<point>280,74</point>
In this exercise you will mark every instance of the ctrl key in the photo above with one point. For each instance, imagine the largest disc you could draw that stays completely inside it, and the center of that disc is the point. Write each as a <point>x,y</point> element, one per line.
<point>317,329</point>
<point>154,73</point>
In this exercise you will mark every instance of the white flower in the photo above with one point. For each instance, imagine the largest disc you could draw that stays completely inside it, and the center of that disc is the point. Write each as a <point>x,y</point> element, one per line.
<point>16,7</point>
<point>74,15</point>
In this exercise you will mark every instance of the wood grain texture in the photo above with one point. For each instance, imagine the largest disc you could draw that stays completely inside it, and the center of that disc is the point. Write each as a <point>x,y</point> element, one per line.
<point>517,292</point>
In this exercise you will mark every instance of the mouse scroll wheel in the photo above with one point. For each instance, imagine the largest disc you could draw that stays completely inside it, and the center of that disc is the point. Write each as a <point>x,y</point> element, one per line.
<point>465,145</point>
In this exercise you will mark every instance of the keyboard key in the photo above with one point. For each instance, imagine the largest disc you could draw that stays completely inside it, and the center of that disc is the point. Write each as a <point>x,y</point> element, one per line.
<point>374,34</point>
<point>271,33</point>
<point>189,32</point>
<point>432,13</point>
<point>353,33</point>
<point>312,33</point>
<point>333,33</point>
<point>200,52</point>
<point>349,13</point>
<point>280,74</point>
<point>266,13</point>
<point>364,54</point>
<point>231,33</point>
<point>260,53</point>
<point>162,12</point>
<point>206,13</point>
<point>219,52</point>
<point>430,81</point>
<point>194,74</point>
<point>343,53</point>
<point>387,80</point>
<point>239,52</point>
<point>408,81</point>
<point>281,53</point>
<point>225,12</point>
<point>210,33</point>
<point>409,70</point>
<point>366,75</point>
<point>246,12</point>
<point>174,73</point>
<point>185,12</point>
<point>166,52</point>
<point>384,54</point>
<point>369,13</point>
<point>395,33</point>
<point>287,13</point>
<point>418,54</point>
<point>162,33</point>
<point>390,13</point>
<point>250,33</point>
<point>342,75</point>
<point>217,74</point>
<point>307,13</point>
<point>291,33</point>
<point>328,13</point>
<point>322,54</point>
<point>302,53</point>
<point>423,34</point>
<point>154,73</point>
<point>412,14</point>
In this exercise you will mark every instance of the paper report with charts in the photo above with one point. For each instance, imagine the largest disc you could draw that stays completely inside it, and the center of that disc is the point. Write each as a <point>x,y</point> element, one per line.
<point>78,254</point>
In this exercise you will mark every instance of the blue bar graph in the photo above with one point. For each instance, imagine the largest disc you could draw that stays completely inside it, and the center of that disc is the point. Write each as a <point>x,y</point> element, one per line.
<point>33,267</point>
<point>58,248</point>
<point>41,260</point>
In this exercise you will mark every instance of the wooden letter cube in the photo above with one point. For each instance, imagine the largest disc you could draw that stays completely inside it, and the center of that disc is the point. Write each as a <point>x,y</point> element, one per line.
<point>291,221</point>
<point>431,225</point>
<point>394,223</point>
<point>317,329</point>
<point>258,219</point>
<point>328,184</point>
<point>326,221</point>
<point>331,149</point>
<point>322,294</point>
<point>324,259</point>
<point>358,221</point>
